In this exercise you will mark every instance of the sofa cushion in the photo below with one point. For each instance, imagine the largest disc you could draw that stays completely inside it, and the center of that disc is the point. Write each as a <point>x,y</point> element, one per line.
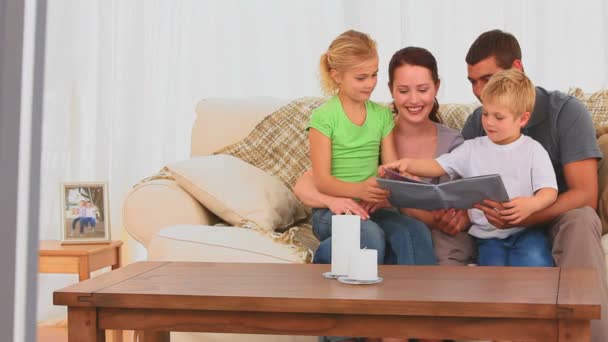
<point>218,244</point>
<point>454,115</point>
<point>239,193</point>
<point>213,115</point>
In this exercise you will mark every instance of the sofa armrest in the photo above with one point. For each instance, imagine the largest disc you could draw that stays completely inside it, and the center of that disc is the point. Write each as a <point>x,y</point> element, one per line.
<point>160,203</point>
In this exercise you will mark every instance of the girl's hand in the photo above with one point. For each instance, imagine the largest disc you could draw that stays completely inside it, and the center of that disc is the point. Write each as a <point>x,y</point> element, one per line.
<point>370,191</point>
<point>343,205</point>
<point>518,209</point>
<point>372,207</point>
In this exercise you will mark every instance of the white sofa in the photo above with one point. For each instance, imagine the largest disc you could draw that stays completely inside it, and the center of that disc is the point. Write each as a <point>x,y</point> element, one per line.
<point>173,226</point>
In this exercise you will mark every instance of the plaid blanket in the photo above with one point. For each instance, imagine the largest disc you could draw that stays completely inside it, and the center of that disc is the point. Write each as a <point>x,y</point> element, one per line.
<point>279,143</point>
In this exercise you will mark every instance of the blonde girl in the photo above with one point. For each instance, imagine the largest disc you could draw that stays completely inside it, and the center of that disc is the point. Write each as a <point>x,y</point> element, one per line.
<point>348,136</point>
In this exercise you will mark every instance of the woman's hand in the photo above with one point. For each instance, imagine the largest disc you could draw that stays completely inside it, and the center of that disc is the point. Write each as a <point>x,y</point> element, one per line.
<point>342,205</point>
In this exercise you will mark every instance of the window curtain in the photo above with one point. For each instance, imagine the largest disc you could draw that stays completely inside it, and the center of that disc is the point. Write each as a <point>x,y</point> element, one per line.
<point>122,78</point>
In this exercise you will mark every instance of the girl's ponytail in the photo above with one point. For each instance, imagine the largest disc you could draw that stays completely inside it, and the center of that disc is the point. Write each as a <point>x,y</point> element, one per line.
<point>328,85</point>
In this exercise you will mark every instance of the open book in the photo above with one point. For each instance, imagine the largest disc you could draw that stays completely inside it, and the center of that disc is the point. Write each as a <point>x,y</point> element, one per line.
<point>459,194</point>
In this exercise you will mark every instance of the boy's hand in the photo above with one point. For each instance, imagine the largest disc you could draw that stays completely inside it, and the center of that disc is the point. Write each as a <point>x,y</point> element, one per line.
<point>398,166</point>
<point>492,211</point>
<point>370,191</point>
<point>518,209</point>
<point>343,205</point>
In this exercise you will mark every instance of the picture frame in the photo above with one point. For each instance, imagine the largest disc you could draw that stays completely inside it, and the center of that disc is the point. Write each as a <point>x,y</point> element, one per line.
<point>85,213</point>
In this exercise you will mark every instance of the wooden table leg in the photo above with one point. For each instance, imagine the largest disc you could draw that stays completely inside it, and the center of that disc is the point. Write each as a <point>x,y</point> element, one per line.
<point>117,334</point>
<point>84,272</point>
<point>574,331</point>
<point>82,325</point>
<point>152,336</point>
<point>118,258</point>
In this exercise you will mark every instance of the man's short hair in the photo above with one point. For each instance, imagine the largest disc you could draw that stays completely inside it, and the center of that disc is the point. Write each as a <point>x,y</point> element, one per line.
<point>512,89</point>
<point>502,45</point>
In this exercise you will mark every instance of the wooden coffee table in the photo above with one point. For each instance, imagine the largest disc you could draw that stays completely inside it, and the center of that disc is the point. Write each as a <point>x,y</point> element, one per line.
<point>531,304</point>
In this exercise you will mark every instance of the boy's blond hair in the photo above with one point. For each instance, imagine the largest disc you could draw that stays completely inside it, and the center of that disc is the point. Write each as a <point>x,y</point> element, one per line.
<point>512,89</point>
<point>348,50</point>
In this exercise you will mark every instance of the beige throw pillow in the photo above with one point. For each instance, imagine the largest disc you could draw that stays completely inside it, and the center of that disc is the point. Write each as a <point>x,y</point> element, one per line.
<point>237,192</point>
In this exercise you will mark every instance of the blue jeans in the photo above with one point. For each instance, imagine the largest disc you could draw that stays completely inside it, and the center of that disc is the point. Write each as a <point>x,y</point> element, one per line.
<point>399,239</point>
<point>528,247</point>
<point>76,220</point>
<point>87,221</point>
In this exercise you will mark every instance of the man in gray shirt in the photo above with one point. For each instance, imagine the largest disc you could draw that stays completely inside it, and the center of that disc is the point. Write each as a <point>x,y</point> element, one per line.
<point>564,128</point>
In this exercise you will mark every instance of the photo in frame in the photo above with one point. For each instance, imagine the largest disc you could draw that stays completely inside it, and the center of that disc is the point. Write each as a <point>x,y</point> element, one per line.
<point>84,213</point>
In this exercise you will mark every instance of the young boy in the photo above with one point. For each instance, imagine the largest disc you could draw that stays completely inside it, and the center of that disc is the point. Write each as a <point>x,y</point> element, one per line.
<point>523,164</point>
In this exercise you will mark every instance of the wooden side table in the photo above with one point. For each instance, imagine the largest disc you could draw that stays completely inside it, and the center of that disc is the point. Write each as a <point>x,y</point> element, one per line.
<point>53,257</point>
<point>81,259</point>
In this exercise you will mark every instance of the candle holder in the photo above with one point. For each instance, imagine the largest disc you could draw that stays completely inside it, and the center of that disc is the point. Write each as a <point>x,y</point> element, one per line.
<point>350,281</point>
<point>330,275</point>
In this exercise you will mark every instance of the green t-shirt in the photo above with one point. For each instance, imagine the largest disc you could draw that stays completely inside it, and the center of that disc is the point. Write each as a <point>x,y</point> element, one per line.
<point>355,150</point>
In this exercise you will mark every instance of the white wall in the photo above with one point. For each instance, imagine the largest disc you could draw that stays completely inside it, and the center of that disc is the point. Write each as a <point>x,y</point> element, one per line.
<point>123,77</point>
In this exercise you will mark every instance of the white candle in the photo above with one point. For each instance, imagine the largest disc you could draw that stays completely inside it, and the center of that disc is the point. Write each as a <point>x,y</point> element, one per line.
<point>363,265</point>
<point>345,239</point>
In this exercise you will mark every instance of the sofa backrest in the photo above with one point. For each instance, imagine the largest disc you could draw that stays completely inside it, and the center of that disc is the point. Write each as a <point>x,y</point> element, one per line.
<point>224,121</point>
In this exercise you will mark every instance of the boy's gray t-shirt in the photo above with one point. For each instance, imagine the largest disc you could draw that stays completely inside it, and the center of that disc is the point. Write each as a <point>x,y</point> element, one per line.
<point>560,123</point>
